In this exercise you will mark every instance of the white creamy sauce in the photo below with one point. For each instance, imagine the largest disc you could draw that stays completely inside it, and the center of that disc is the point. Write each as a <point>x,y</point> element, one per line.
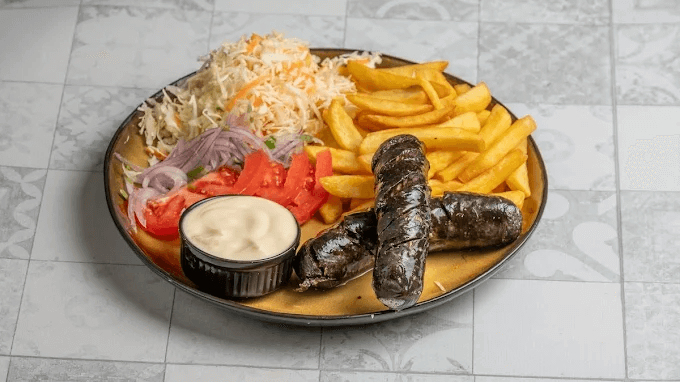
<point>240,228</point>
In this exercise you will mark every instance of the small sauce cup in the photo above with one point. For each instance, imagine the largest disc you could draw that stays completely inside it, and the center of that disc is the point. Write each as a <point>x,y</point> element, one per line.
<point>233,276</point>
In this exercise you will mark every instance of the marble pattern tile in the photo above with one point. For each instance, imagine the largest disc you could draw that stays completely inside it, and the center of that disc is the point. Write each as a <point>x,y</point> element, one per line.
<point>650,223</point>
<point>104,312</point>
<point>202,373</point>
<point>647,63</point>
<point>358,376</point>
<point>649,147</point>
<point>12,276</point>
<point>298,7</point>
<point>201,5</point>
<point>41,369</point>
<point>653,330</point>
<point>443,10</point>
<point>76,200</point>
<point>319,31</point>
<point>20,195</point>
<point>576,143</point>
<point>576,239</point>
<point>207,334</point>
<point>29,118</point>
<point>50,45</point>
<point>548,329</point>
<point>546,63</point>
<point>519,379</point>
<point>137,47</point>
<point>37,3</point>
<point>438,340</point>
<point>538,11</point>
<point>647,11</point>
<point>419,41</point>
<point>4,368</point>
<point>88,119</point>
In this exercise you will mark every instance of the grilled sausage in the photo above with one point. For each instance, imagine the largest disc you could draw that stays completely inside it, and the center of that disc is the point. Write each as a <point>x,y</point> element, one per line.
<point>402,207</point>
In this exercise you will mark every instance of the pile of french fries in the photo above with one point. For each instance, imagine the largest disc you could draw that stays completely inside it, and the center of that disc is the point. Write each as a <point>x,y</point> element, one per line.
<point>470,146</point>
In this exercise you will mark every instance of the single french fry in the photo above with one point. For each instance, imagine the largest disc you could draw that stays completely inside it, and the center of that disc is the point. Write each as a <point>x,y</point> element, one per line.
<point>413,95</point>
<point>517,132</point>
<point>376,79</point>
<point>386,122</point>
<point>439,160</point>
<point>519,180</point>
<point>354,203</point>
<point>498,122</point>
<point>342,127</point>
<point>387,107</point>
<point>516,197</point>
<point>436,138</point>
<point>492,177</point>
<point>438,77</point>
<point>365,162</point>
<point>451,172</point>
<point>343,161</point>
<point>482,116</point>
<point>331,210</point>
<point>466,121</point>
<point>476,99</point>
<point>349,186</point>
<point>461,88</point>
<point>429,90</point>
<point>406,70</point>
<point>439,188</point>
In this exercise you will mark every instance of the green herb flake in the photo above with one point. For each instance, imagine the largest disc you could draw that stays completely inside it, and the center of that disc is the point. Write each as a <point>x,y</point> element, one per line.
<point>270,142</point>
<point>124,194</point>
<point>195,173</point>
<point>306,138</point>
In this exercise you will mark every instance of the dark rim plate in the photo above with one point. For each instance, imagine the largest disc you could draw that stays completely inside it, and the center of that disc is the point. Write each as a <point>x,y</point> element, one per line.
<point>310,320</point>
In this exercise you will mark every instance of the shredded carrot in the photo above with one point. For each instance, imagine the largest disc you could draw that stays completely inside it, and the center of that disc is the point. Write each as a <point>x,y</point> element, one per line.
<point>243,92</point>
<point>178,121</point>
<point>257,102</point>
<point>253,42</point>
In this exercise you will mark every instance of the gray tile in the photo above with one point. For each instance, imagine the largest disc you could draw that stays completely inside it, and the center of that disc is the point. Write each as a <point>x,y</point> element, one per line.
<point>4,368</point>
<point>37,3</point>
<point>653,330</point>
<point>546,63</point>
<point>297,7</point>
<point>648,11</point>
<point>319,31</point>
<point>446,10</point>
<point>576,239</point>
<point>650,223</point>
<point>136,46</point>
<point>202,373</point>
<point>576,143</point>
<point>201,5</point>
<point>419,41</point>
<point>207,334</point>
<point>12,276</point>
<point>40,369</point>
<point>29,113</point>
<point>538,11</point>
<point>21,191</point>
<point>520,379</point>
<point>75,224</point>
<point>438,340</point>
<point>647,64</point>
<point>36,54</point>
<point>358,376</point>
<point>88,119</point>
<point>102,312</point>
<point>544,328</point>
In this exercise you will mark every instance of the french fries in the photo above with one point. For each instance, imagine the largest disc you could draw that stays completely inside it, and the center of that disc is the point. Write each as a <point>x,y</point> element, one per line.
<point>349,186</point>
<point>470,145</point>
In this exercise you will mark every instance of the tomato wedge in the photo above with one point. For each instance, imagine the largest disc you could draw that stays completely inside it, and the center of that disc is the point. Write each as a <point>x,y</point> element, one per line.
<point>216,183</point>
<point>272,183</point>
<point>254,169</point>
<point>324,167</point>
<point>162,216</point>
<point>298,177</point>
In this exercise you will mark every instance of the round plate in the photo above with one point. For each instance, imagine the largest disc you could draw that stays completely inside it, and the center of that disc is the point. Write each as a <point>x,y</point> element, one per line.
<point>447,275</point>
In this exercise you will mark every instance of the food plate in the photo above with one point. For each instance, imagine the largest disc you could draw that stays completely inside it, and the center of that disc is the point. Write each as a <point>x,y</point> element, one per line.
<point>447,274</point>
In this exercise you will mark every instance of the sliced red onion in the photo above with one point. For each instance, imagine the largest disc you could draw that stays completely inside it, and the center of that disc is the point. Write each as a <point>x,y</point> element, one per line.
<point>137,203</point>
<point>126,162</point>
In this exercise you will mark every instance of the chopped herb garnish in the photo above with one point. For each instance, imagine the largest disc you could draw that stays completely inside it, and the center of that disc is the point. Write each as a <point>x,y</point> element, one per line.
<point>306,138</point>
<point>195,173</point>
<point>270,142</point>
<point>124,194</point>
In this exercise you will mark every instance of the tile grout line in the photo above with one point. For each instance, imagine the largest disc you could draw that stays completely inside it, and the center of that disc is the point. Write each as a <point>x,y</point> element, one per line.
<point>172,310</point>
<point>617,174</point>
<point>344,37</point>
<point>210,27</point>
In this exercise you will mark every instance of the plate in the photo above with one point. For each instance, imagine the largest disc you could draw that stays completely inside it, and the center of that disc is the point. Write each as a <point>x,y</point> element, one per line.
<point>350,304</point>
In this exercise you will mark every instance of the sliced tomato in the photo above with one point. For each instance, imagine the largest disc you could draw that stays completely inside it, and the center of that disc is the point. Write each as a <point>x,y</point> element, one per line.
<point>299,177</point>
<point>306,205</point>
<point>162,216</point>
<point>254,168</point>
<point>216,183</point>
<point>272,183</point>
<point>324,167</point>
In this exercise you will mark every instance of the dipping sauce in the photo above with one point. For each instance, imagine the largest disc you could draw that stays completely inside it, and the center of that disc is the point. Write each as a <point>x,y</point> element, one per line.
<point>240,228</point>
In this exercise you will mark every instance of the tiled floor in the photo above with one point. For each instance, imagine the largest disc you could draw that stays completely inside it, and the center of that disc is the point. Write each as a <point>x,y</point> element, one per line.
<point>594,294</point>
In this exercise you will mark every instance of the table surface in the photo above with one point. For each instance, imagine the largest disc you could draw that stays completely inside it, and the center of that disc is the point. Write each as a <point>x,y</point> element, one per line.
<point>595,293</point>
